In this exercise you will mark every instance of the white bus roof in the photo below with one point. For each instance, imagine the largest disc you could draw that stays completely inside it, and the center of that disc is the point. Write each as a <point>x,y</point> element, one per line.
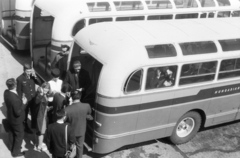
<point>55,7</point>
<point>68,12</point>
<point>121,46</point>
<point>114,36</point>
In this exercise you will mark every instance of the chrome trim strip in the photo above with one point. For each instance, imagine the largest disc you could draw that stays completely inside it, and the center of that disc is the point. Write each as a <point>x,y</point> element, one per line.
<point>222,114</point>
<point>133,132</point>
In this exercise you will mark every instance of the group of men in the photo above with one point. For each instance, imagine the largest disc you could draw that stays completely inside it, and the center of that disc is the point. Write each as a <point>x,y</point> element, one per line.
<point>19,98</point>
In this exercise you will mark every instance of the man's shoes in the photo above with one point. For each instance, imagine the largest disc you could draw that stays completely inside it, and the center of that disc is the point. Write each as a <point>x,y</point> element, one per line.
<point>20,155</point>
<point>28,130</point>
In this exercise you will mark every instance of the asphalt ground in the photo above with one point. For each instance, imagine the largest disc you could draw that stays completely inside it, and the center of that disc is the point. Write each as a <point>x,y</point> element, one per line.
<point>222,141</point>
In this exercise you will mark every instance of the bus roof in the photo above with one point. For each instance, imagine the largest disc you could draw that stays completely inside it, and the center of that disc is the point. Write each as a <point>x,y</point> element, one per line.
<point>114,36</point>
<point>121,46</point>
<point>102,6</point>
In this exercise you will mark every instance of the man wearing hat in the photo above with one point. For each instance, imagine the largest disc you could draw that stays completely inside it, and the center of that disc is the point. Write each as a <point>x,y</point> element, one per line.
<point>60,60</point>
<point>78,78</point>
<point>26,83</point>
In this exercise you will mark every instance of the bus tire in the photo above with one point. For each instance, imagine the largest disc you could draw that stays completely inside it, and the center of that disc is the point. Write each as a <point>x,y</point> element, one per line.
<point>186,128</point>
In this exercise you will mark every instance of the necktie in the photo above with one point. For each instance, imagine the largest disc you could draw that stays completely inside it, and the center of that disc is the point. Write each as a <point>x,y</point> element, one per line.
<point>76,81</point>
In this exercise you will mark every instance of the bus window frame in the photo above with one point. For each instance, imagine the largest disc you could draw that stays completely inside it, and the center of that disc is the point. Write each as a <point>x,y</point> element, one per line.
<point>228,71</point>
<point>216,73</point>
<point>175,76</point>
<point>126,82</point>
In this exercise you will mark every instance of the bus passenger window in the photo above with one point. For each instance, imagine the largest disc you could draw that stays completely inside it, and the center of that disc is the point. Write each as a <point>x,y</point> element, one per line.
<point>230,45</point>
<point>97,20</point>
<point>223,3</point>
<point>211,15</point>
<point>99,7</point>
<point>159,17</point>
<point>229,68</point>
<point>159,4</point>
<point>194,48</point>
<point>130,18</point>
<point>134,81</point>
<point>223,14</point>
<point>159,77</point>
<point>236,13</point>
<point>203,15</point>
<point>128,5</point>
<point>78,26</point>
<point>161,51</point>
<point>227,65</point>
<point>186,16</point>
<point>185,4</point>
<point>207,3</point>
<point>198,72</point>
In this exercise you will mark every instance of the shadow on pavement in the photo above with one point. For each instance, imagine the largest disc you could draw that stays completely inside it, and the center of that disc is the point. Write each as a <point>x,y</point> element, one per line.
<point>3,108</point>
<point>4,137</point>
<point>21,56</point>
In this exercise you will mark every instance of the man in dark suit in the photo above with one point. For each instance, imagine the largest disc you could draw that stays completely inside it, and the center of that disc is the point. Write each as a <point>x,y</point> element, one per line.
<point>60,60</point>
<point>55,134</point>
<point>15,116</point>
<point>78,78</point>
<point>26,87</point>
<point>77,115</point>
<point>60,100</point>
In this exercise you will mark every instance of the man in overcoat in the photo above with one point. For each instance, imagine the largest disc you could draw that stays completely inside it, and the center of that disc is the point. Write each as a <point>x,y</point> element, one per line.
<point>78,78</point>
<point>77,115</point>
<point>26,87</point>
<point>15,116</point>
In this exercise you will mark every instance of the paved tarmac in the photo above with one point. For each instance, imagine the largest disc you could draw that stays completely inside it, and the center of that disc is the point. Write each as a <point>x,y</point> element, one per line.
<point>216,142</point>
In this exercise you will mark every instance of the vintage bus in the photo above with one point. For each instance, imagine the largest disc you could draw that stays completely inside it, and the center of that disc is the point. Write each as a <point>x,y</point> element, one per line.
<point>155,79</point>
<point>15,23</point>
<point>53,26</point>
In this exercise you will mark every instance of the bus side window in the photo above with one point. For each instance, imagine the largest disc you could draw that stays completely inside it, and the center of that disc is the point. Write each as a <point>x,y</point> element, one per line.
<point>203,15</point>
<point>133,82</point>
<point>211,15</point>
<point>230,44</point>
<point>78,26</point>
<point>159,77</point>
<point>229,68</point>
<point>198,72</point>
<point>159,17</point>
<point>223,14</point>
<point>97,20</point>
<point>207,3</point>
<point>236,13</point>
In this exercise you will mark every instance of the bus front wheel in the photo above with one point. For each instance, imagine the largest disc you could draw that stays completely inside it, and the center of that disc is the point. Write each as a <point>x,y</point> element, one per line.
<point>186,128</point>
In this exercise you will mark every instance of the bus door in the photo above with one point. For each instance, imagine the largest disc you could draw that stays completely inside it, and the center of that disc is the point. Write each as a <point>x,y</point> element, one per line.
<point>42,23</point>
<point>8,22</point>
<point>93,68</point>
<point>156,105</point>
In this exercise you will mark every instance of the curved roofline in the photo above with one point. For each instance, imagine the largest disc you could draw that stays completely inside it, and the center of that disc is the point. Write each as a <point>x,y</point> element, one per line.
<point>120,47</point>
<point>142,33</point>
<point>80,6</point>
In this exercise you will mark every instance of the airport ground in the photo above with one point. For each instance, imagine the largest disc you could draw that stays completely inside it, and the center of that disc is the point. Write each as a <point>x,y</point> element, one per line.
<point>221,141</point>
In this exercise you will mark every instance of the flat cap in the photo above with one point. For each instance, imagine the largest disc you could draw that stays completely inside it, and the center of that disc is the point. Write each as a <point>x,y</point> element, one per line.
<point>27,66</point>
<point>55,72</point>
